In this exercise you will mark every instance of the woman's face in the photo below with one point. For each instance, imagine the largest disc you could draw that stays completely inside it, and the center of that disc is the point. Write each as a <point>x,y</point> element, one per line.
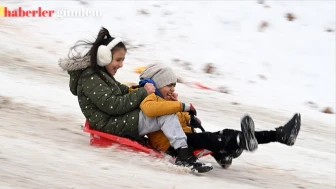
<point>118,58</point>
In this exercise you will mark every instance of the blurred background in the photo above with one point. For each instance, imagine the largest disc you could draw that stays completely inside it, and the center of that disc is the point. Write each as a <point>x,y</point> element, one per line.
<point>270,59</point>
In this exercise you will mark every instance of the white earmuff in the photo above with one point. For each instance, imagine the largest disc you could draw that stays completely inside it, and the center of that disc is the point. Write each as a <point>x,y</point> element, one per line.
<point>104,54</point>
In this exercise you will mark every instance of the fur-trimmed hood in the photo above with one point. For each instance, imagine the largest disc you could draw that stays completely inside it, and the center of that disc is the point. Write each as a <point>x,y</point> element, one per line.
<point>75,68</point>
<point>80,63</point>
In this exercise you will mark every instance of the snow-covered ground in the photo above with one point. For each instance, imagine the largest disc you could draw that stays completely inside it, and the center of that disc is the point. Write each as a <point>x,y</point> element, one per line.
<point>271,73</point>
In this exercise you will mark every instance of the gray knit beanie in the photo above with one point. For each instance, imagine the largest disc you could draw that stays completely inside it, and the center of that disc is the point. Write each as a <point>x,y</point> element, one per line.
<point>160,74</point>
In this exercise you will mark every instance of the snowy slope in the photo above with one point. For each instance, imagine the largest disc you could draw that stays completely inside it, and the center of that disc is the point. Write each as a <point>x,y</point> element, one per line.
<point>296,58</point>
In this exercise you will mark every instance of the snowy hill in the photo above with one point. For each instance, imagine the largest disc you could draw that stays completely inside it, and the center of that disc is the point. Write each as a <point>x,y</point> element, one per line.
<point>270,67</point>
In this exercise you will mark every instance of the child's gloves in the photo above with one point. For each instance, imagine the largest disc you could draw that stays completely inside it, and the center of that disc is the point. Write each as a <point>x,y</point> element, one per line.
<point>189,108</point>
<point>196,123</point>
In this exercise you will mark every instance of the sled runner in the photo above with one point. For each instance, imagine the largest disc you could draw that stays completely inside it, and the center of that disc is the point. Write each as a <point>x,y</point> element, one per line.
<point>101,139</point>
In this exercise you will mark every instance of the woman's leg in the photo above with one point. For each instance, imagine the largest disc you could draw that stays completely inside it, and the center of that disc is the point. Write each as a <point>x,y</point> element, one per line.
<point>213,141</point>
<point>228,143</point>
<point>284,134</point>
<point>227,140</point>
<point>264,137</point>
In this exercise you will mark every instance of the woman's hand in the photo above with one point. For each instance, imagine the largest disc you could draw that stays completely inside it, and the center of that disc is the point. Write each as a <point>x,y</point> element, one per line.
<point>149,88</point>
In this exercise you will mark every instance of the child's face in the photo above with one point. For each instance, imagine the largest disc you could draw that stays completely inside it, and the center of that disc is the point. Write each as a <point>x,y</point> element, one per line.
<point>117,61</point>
<point>167,91</point>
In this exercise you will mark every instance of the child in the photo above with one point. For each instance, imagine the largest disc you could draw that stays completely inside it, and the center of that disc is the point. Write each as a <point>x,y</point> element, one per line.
<point>225,144</point>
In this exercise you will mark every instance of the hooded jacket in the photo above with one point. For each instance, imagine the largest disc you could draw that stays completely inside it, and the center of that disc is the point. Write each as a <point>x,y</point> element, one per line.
<point>106,104</point>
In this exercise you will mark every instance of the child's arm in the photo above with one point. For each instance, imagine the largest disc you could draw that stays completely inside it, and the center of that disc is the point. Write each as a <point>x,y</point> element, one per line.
<point>186,117</point>
<point>152,106</point>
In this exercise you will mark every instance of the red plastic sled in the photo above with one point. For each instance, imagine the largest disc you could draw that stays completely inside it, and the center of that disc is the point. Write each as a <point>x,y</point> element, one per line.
<point>101,139</point>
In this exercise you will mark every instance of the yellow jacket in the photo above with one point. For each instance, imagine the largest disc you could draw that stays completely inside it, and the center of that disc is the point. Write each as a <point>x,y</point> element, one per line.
<point>154,106</point>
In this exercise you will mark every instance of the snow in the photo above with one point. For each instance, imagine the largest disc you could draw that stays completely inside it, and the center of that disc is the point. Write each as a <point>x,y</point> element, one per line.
<point>43,146</point>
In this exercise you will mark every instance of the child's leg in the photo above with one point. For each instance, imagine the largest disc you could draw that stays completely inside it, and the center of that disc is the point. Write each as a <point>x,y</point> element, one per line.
<point>172,129</point>
<point>170,126</point>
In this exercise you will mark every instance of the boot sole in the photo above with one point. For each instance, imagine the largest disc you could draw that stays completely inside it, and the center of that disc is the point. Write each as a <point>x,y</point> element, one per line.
<point>295,131</point>
<point>237,153</point>
<point>247,127</point>
<point>227,163</point>
<point>224,160</point>
<point>206,168</point>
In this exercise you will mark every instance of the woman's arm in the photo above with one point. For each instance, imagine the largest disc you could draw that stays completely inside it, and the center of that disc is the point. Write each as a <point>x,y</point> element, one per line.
<point>108,99</point>
<point>124,88</point>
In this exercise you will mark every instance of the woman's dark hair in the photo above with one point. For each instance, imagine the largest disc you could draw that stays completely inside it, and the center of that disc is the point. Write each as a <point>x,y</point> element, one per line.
<point>103,38</point>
